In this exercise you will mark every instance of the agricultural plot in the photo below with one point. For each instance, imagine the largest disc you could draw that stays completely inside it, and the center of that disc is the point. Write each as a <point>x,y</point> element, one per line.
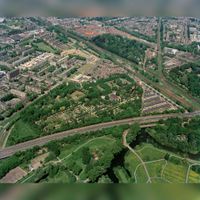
<point>73,105</point>
<point>153,102</point>
<point>162,166</point>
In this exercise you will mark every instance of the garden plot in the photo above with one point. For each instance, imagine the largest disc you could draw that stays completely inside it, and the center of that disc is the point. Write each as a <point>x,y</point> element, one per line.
<point>73,105</point>
<point>57,120</point>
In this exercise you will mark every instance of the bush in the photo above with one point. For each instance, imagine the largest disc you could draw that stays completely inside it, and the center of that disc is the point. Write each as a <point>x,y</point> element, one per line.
<point>1,118</point>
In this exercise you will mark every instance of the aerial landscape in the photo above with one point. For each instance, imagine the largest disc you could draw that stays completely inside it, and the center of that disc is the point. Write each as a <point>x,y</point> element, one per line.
<point>99,100</point>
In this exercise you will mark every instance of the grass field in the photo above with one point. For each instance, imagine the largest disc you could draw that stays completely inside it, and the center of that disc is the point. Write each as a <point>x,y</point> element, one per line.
<point>77,95</point>
<point>122,175</point>
<point>159,169</point>
<point>61,177</point>
<point>94,144</point>
<point>131,163</point>
<point>44,47</point>
<point>155,168</point>
<point>21,130</point>
<point>175,173</point>
<point>193,177</point>
<point>74,153</point>
<point>67,150</point>
<point>140,175</point>
<point>148,153</point>
<point>85,68</point>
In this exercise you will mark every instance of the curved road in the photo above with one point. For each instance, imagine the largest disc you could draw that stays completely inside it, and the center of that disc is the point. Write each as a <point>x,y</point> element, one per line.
<point>57,136</point>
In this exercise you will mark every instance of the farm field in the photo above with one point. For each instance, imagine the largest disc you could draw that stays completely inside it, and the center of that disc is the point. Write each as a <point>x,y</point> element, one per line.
<point>73,105</point>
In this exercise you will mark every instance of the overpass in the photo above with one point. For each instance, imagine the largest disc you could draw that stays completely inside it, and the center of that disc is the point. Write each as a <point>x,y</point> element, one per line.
<point>144,121</point>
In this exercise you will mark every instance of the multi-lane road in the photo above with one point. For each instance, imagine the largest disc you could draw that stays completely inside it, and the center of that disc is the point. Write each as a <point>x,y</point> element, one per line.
<point>57,136</point>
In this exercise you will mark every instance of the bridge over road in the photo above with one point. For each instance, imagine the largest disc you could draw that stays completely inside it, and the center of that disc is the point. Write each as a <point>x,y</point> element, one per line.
<point>144,121</point>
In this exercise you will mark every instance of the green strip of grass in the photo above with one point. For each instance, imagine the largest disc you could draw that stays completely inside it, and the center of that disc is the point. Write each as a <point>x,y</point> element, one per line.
<point>21,132</point>
<point>45,47</point>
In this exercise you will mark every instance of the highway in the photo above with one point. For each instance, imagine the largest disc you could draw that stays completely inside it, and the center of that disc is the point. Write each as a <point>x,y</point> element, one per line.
<point>144,121</point>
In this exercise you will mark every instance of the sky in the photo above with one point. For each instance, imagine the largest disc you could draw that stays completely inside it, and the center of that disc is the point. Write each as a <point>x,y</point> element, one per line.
<point>99,8</point>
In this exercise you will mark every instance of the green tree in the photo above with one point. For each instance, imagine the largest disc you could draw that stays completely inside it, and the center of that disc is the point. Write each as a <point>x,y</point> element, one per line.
<point>86,156</point>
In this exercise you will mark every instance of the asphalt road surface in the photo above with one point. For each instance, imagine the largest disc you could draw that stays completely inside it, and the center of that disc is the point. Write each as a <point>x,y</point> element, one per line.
<point>4,153</point>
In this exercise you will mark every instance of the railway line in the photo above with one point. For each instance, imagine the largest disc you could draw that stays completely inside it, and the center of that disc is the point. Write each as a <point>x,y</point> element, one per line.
<point>144,121</point>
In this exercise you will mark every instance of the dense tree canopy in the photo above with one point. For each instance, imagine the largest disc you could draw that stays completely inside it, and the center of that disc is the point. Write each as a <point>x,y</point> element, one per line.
<point>122,46</point>
<point>188,76</point>
<point>178,134</point>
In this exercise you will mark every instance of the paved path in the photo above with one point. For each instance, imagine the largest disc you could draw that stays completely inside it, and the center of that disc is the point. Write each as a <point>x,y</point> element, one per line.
<point>57,136</point>
<point>137,155</point>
